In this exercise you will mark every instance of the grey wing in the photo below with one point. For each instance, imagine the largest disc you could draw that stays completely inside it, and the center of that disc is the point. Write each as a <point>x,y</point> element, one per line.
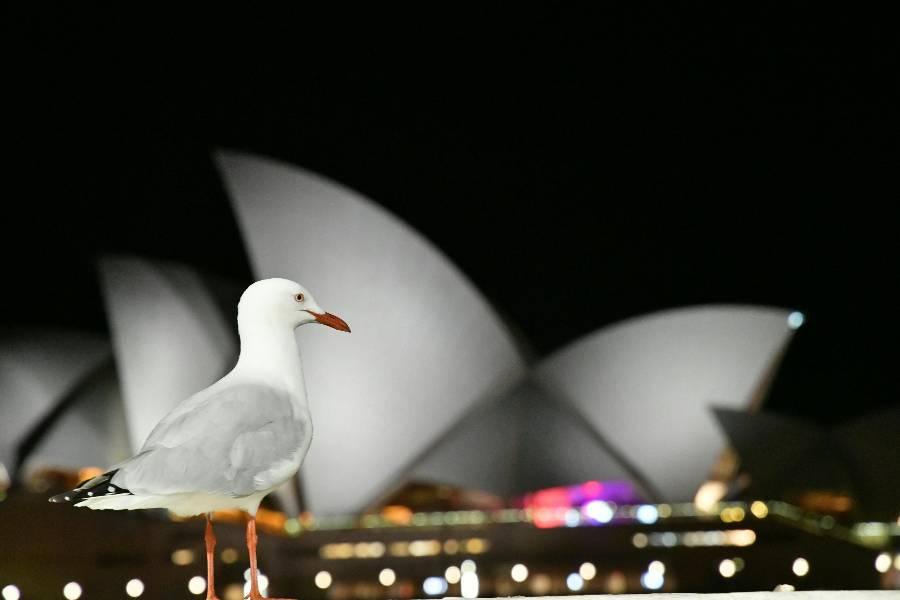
<point>236,440</point>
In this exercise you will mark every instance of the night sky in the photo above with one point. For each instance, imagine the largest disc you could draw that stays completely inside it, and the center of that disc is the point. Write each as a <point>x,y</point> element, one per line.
<point>580,165</point>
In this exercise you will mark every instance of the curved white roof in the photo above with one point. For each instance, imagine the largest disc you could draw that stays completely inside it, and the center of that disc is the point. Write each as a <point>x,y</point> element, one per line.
<point>532,442</point>
<point>169,336</point>
<point>425,346</point>
<point>91,432</point>
<point>648,385</point>
<point>37,369</point>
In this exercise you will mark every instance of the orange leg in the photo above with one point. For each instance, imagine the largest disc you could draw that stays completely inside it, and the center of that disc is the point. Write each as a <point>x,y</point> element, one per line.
<point>251,547</point>
<point>210,539</point>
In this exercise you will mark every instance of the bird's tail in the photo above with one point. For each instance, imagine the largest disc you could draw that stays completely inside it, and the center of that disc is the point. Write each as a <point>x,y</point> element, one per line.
<point>95,487</point>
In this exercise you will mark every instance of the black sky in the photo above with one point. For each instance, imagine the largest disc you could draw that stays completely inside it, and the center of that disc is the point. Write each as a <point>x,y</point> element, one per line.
<point>580,165</point>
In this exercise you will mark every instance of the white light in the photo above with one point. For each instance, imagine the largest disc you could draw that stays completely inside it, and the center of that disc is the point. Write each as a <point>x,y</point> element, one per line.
<point>469,584</point>
<point>652,581</point>
<point>72,591</point>
<point>134,588</point>
<point>587,571</point>
<point>883,562</point>
<point>263,582</point>
<point>657,567</point>
<point>572,517</point>
<point>800,567</point>
<point>323,580</point>
<point>387,577</point>
<point>639,540</point>
<point>452,574</point>
<point>795,319</point>
<point>599,511</point>
<point>709,494</point>
<point>574,582</point>
<point>468,566</point>
<point>519,573</point>
<point>897,562</point>
<point>434,586</point>
<point>727,568</point>
<point>247,574</point>
<point>647,515</point>
<point>197,585</point>
<point>784,587</point>
<point>11,592</point>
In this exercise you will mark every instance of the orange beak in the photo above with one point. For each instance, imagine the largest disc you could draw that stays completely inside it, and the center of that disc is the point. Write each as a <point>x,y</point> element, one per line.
<point>331,320</point>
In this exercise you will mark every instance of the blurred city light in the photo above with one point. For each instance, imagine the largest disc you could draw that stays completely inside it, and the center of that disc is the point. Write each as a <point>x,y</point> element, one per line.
<point>732,514</point>
<point>727,568</point>
<point>541,584</point>
<point>759,509</point>
<point>387,577</point>
<point>262,581</point>
<point>647,514</point>
<point>134,588</point>
<point>587,571</point>
<point>197,585</point>
<point>795,319</point>
<point>657,567</point>
<point>800,567</point>
<point>709,494</point>
<point>519,573</point>
<point>599,511</point>
<point>652,581</point>
<point>574,582</point>
<point>11,592</point>
<point>323,580</point>
<point>469,584</point>
<point>292,527</point>
<point>452,574</point>
<point>72,591</point>
<point>183,557</point>
<point>229,556</point>
<point>434,586</point>
<point>616,583</point>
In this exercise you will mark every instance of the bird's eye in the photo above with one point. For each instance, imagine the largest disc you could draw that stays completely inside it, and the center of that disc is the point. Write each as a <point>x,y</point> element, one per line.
<point>299,297</point>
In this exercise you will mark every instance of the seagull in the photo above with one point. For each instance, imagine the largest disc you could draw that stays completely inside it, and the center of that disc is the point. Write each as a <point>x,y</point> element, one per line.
<point>228,446</point>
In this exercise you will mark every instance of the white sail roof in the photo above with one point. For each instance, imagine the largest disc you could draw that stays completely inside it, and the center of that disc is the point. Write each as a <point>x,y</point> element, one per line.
<point>169,336</point>
<point>91,432</point>
<point>532,442</point>
<point>648,385</point>
<point>425,346</point>
<point>37,369</point>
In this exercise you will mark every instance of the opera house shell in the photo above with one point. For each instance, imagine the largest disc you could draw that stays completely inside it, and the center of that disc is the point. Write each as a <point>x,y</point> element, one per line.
<point>431,386</point>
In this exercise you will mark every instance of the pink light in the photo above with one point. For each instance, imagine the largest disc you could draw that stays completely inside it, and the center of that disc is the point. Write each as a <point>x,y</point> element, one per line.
<point>591,489</point>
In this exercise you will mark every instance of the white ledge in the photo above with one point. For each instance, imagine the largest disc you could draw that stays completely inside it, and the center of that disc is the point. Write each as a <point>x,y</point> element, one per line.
<point>797,595</point>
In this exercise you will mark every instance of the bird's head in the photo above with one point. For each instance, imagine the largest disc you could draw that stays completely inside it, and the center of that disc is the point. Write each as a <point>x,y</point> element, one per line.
<point>284,301</point>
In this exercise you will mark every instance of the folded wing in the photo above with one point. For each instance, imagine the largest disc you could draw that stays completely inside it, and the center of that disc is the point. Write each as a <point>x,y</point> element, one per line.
<point>231,440</point>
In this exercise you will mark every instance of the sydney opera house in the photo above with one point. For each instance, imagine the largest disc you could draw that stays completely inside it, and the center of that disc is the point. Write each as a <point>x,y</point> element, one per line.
<point>449,459</point>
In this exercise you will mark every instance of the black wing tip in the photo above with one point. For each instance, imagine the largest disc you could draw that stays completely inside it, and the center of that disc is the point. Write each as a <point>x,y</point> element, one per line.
<point>92,488</point>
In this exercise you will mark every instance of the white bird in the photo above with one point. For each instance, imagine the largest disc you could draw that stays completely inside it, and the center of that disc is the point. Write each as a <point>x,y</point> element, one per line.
<point>228,446</point>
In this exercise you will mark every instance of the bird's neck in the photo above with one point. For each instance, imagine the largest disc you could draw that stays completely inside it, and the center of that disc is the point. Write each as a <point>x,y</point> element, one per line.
<point>269,352</point>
